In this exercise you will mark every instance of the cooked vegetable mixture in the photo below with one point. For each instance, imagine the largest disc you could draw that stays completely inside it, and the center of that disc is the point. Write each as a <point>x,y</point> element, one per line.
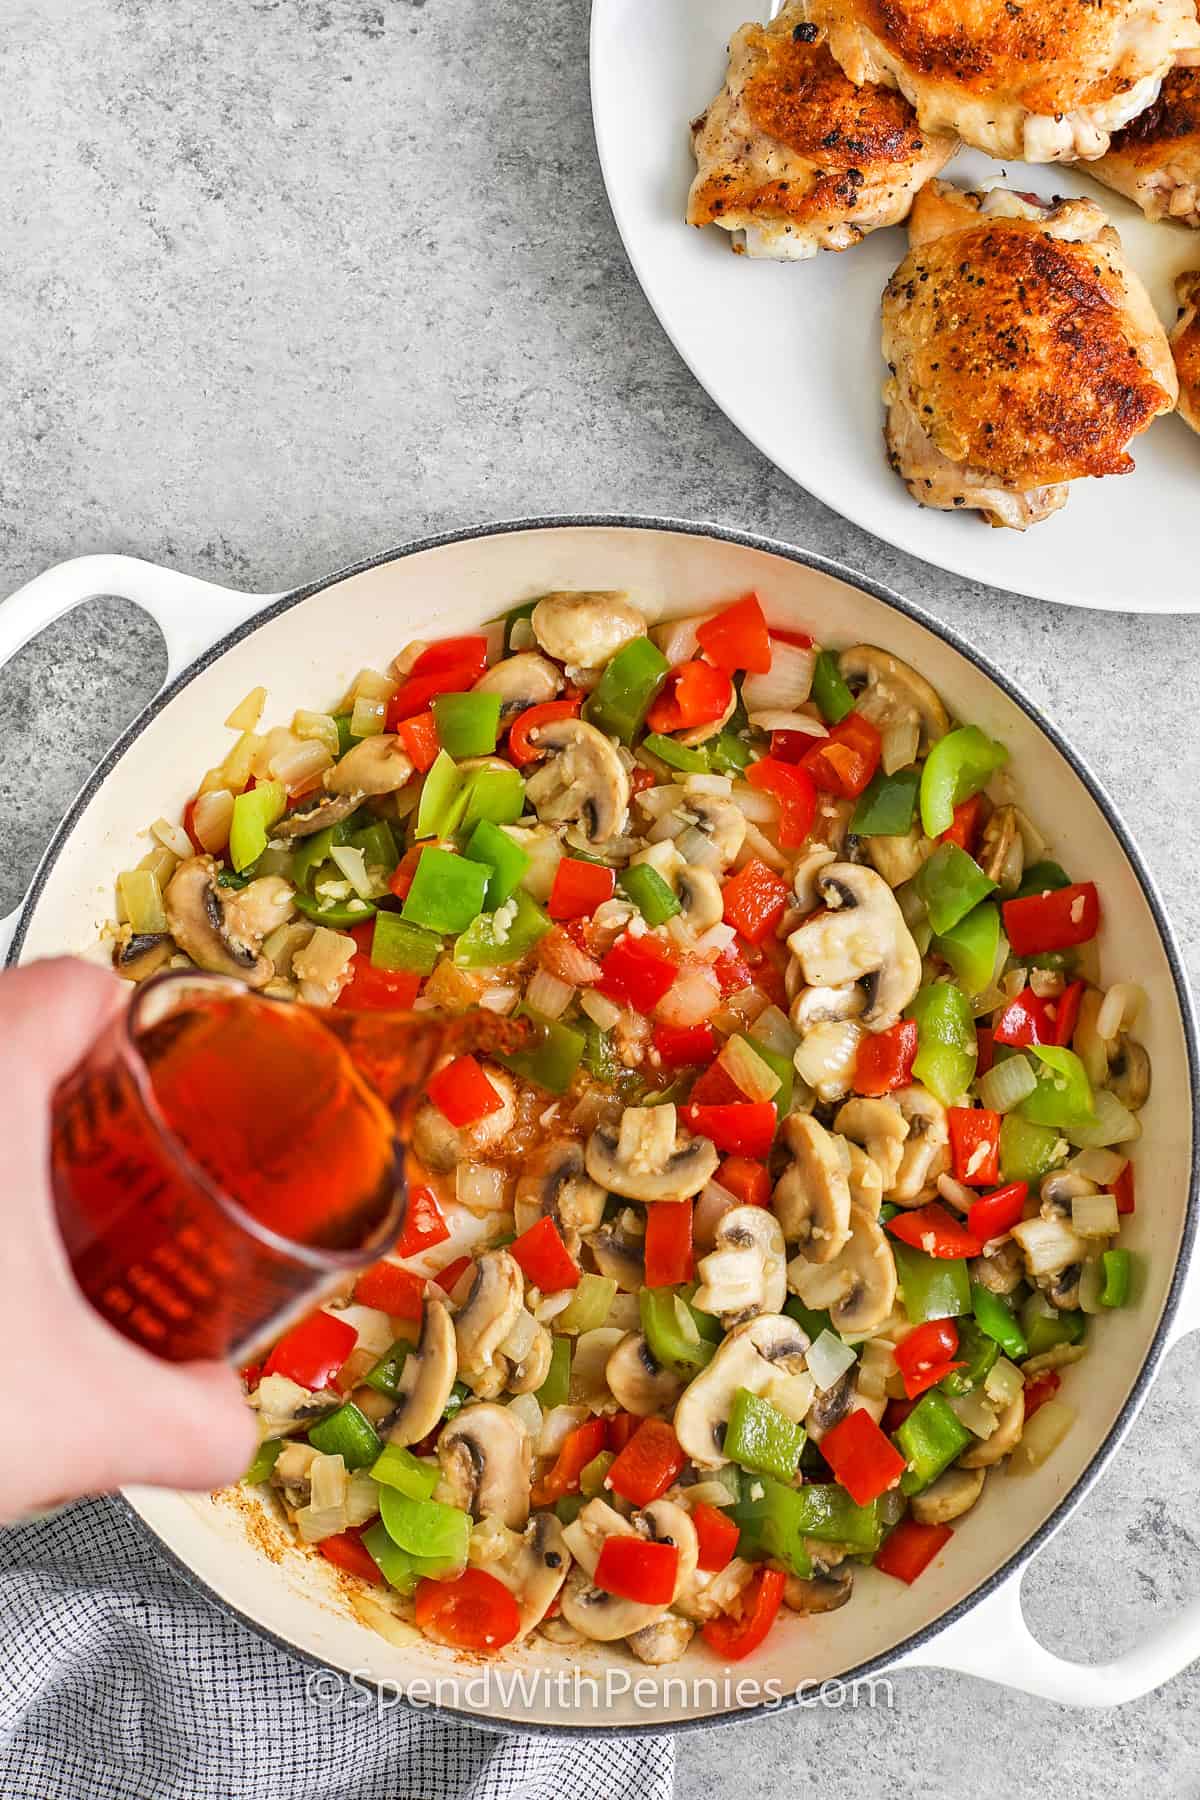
<point>784,1234</point>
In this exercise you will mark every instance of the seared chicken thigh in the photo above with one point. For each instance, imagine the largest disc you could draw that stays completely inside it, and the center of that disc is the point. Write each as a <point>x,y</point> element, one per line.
<point>1185,342</point>
<point>1155,161</point>
<point>1023,353</point>
<point>1042,80</point>
<point>793,158</point>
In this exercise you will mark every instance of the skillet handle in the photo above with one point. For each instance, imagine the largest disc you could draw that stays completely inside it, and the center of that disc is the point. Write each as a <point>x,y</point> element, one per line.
<point>190,613</point>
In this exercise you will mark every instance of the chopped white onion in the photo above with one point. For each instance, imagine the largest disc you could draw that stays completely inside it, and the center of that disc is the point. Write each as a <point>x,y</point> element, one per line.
<point>715,940</point>
<point>548,995</point>
<point>319,727</point>
<point>300,762</point>
<point>757,844</point>
<point>741,1009</point>
<point>500,999</point>
<point>557,1426</point>
<point>877,1366</point>
<point>1003,1382</point>
<point>521,1335</point>
<point>550,1305</point>
<point>759,807</point>
<point>248,711</point>
<point>828,1359</point>
<point>600,1010</point>
<point>479,1188</point>
<point>677,639</point>
<point>353,865</point>
<point>1113,1124</point>
<point>693,996</point>
<point>367,718</point>
<point>696,848</point>
<point>706,1493</point>
<point>787,683</point>
<point>1007,1083</point>
<point>1118,1010</point>
<point>1095,1215</point>
<point>772,719</point>
<point>1104,1167</point>
<point>899,744</point>
<point>747,1070</point>
<point>721,785</point>
<point>174,837</point>
<point>1043,1434</point>
<point>773,1029</point>
<point>526,1408</point>
<point>211,819</point>
<point>973,1411</point>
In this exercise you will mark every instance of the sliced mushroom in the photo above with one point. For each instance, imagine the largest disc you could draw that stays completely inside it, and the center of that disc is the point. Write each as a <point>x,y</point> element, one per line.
<point>484,1455</point>
<point>1129,1073</point>
<point>375,765</point>
<point>861,937</point>
<point>858,1286</point>
<point>620,1255</point>
<point>650,1158</point>
<point>252,913</point>
<point>1048,1246</point>
<point>950,1496</point>
<point>718,819</point>
<point>819,1005</point>
<point>329,809</point>
<point>894,692</point>
<point>866,1182</point>
<point>881,1128</point>
<point>582,777</point>
<point>556,1185</point>
<point>663,1642</point>
<point>521,681</point>
<point>1000,1269</point>
<point>637,1381</point>
<point>427,1376</point>
<point>819,1593</point>
<point>698,892</point>
<point>1059,1188</point>
<point>197,913</point>
<point>926,1148</point>
<point>603,1616</point>
<point>1001,853</point>
<point>534,1571</point>
<point>1062,1287</point>
<point>763,1356</point>
<point>804,877</point>
<point>526,1375</point>
<point>441,1146</point>
<point>812,1196</point>
<point>1006,1437</point>
<point>826,1056</point>
<point>484,1320</point>
<point>745,1273</point>
<point>898,859</point>
<point>142,955</point>
<point>585,630</point>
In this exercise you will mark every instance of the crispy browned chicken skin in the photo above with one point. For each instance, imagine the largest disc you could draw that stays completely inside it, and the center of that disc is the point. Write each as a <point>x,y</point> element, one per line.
<point>1155,161</point>
<point>1043,80</point>
<point>793,158</point>
<point>1185,342</point>
<point>1023,353</point>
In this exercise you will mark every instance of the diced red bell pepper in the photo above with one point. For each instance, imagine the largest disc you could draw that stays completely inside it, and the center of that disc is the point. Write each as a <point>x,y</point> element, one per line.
<point>403,875</point>
<point>732,971</point>
<point>579,888</point>
<point>462,1092</point>
<point>932,1229</point>
<point>863,1460</point>
<point>895,1413</point>
<point>910,1548</point>
<point>737,638</point>
<point>312,1352</point>
<point>685,1046</point>
<point>637,972</point>
<point>716,1535</point>
<point>520,749</point>
<point>423,1225</point>
<point>452,653</point>
<point>965,825</point>
<point>189,825</point>
<point>749,1182</point>
<point>734,1636</point>
<point>994,1214</point>
<point>975,1145</point>
<point>1122,1189</point>
<point>640,779</point>
<point>800,639</point>
<point>985,1049</point>
<point>649,1463</point>
<point>475,1611</point>
<point>716,1088</point>
<point>1041,1388</point>
<point>792,746</point>
<point>884,1059</point>
<point>693,694</point>
<point>449,666</point>
<point>621,1427</point>
<point>745,1128</point>
<point>392,1289</point>
<point>927,1353</point>
<point>579,1448</point>
<point>1026,1019</point>
<point>545,1259</point>
<point>370,989</point>
<point>1056,921</point>
<point>449,1277</point>
<point>1066,1013</point>
<point>755,900</point>
<point>634,1568</point>
<point>844,762</point>
<point>796,793</point>
<point>420,739</point>
<point>345,1551</point>
<point>668,1243</point>
<point>251,1375</point>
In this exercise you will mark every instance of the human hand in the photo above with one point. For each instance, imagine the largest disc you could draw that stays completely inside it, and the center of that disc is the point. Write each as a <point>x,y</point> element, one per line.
<point>85,1410</point>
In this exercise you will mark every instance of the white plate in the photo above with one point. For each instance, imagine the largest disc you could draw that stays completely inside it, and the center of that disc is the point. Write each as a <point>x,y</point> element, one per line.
<point>791,352</point>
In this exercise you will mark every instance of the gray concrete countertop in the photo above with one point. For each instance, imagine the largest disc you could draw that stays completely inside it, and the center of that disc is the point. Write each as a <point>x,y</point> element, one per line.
<point>284,283</point>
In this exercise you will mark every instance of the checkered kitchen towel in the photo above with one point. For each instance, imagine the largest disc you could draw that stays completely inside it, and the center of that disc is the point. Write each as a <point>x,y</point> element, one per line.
<point>119,1682</point>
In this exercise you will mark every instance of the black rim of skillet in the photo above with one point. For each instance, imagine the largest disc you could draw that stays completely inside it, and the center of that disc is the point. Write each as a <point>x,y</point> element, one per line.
<point>840,572</point>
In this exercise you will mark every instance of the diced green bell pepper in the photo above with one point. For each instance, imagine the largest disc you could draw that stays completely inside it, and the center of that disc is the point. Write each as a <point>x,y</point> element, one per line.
<point>395,944</point>
<point>1042,878</point>
<point>467,724</point>
<point>336,914</point>
<point>1027,1152</point>
<point>426,1528</point>
<point>649,893</point>
<point>977,1351</point>
<point>377,844</point>
<point>524,611</point>
<point>440,806</point>
<point>972,946</point>
<point>1063,1095</point>
<point>556,1389</point>
<point>1118,1277</point>
<point>263,1461</point>
<point>485,945</point>
<point>626,690</point>
<point>398,1468</point>
<point>1045,1327</point>
<point>347,1433</point>
<point>761,1437</point>
<point>494,794</point>
<point>399,1567</point>
<point>568,1509</point>
<point>929,1440</point>
<point>254,813</point>
<point>780,1065</point>
<point>946,1044</point>
<point>591,1476</point>
<point>888,806</point>
<point>951,884</point>
<point>772,1519</point>
<point>385,1376</point>
<point>706,1324</point>
<point>346,738</point>
<point>675,755</point>
<point>506,861</point>
<point>728,753</point>
<point>447,892</point>
<point>814,1323</point>
<point>666,1335</point>
<point>959,765</point>
<point>820,1510</point>
<point>552,1063</point>
<point>459,1394</point>
<point>312,851</point>
<point>599,1057</point>
<point>933,1287</point>
<point>995,1317</point>
<point>829,690</point>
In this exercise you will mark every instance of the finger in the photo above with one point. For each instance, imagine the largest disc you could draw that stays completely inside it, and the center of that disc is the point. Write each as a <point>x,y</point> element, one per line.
<point>53,1010</point>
